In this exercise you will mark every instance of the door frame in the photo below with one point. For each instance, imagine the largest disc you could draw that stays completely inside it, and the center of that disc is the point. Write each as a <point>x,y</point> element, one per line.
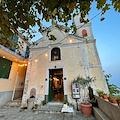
<point>47,79</point>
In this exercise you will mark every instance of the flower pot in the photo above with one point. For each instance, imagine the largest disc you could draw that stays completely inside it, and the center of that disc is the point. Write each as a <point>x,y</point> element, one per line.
<point>110,99</point>
<point>114,101</point>
<point>100,95</point>
<point>118,101</point>
<point>86,109</point>
<point>36,107</point>
<point>105,97</point>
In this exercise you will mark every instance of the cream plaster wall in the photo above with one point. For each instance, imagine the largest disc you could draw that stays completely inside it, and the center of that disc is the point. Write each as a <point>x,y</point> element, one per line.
<point>8,84</point>
<point>99,83</point>
<point>71,60</point>
<point>91,55</point>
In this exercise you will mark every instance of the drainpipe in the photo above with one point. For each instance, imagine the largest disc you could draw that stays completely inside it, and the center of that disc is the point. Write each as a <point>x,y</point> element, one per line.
<point>15,84</point>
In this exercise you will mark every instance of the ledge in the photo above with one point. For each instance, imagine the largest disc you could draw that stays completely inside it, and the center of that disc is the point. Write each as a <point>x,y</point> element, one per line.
<point>109,109</point>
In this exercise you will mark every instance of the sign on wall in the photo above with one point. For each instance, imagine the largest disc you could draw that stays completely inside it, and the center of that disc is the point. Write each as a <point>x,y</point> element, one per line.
<point>75,91</point>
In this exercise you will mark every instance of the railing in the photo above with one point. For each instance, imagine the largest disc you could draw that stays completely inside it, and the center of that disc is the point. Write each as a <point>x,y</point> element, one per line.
<point>20,52</point>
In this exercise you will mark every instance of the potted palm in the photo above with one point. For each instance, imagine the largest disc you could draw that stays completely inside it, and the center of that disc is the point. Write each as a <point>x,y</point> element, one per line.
<point>84,83</point>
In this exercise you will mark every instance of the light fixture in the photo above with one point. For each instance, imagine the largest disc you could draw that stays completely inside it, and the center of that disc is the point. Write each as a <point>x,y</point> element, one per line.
<point>25,64</point>
<point>70,41</point>
<point>21,65</point>
<point>46,54</point>
<point>36,60</point>
<point>3,56</point>
<point>28,63</point>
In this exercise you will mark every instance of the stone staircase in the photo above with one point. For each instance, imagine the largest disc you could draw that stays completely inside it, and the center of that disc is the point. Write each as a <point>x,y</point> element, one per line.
<point>51,108</point>
<point>13,103</point>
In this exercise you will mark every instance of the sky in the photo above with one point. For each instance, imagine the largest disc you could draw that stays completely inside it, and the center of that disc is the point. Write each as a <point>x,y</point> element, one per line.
<point>107,35</point>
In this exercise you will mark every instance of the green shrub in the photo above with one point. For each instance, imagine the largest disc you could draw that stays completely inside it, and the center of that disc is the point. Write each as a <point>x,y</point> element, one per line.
<point>100,92</point>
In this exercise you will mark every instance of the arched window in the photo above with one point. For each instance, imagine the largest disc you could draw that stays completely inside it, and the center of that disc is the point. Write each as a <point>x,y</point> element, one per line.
<point>55,54</point>
<point>84,33</point>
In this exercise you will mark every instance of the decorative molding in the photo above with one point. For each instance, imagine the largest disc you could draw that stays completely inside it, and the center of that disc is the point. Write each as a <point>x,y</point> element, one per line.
<point>94,66</point>
<point>85,61</point>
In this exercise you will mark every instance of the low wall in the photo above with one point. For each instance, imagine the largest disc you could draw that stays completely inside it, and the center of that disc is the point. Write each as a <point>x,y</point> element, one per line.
<point>112,111</point>
<point>5,97</point>
<point>18,94</point>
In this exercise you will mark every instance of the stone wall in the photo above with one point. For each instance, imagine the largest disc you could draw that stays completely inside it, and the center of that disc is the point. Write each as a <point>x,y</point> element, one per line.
<point>109,109</point>
<point>5,97</point>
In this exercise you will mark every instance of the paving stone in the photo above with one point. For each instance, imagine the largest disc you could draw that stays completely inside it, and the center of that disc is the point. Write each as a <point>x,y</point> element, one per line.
<point>17,114</point>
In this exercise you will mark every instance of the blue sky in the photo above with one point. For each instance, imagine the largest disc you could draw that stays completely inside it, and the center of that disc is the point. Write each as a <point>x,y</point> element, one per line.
<point>107,35</point>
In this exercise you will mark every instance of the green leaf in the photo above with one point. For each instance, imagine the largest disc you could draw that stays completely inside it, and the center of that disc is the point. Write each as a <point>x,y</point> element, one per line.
<point>102,19</point>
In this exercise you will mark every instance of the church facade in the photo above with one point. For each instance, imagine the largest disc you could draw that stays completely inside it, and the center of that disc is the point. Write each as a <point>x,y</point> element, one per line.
<point>53,65</point>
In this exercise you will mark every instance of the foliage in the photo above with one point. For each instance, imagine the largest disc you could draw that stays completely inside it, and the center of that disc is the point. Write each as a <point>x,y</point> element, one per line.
<point>100,92</point>
<point>104,94</point>
<point>23,15</point>
<point>36,105</point>
<point>44,102</point>
<point>112,88</point>
<point>118,97</point>
<point>84,82</point>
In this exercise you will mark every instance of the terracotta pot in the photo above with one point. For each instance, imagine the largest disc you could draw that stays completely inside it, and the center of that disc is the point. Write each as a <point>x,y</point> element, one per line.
<point>110,99</point>
<point>114,101</point>
<point>118,101</point>
<point>36,107</point>
<point>100,95</point>
<point>105,97</point>
<point>86,109</point>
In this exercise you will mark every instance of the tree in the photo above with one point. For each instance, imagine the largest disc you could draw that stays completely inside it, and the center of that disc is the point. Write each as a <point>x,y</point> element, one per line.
<point>112,88</point>
<point>23,15</point>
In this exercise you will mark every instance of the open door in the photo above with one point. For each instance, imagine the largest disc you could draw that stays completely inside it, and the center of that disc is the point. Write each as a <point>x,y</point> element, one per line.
<point>50,86</point>
<point>56,90</point>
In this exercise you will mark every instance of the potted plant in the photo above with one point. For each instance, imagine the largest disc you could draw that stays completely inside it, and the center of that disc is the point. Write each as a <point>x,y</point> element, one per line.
<point>43,102</point>
<point>36,106</point>
<point>100,93</point>
<point>113,99</point>
<point>118,99</point>
<point>86,106</point>
<point>105,96</point>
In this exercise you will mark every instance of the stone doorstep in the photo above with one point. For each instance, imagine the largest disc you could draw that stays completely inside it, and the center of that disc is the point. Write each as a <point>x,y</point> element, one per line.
<point>53,112</point>
<point>10,106</point>
<point>14,103</point>
<point>51,109</point>
<point>99,114</point>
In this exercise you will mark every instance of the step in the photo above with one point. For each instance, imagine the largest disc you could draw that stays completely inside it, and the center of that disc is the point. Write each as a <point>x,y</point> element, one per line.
<point>14,102</point>
<point>99,114</point>
<point>10,106</point>
<point>51,109</point>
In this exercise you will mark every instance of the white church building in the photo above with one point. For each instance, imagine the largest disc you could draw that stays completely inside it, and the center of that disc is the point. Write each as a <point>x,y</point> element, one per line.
<point>53,65</point>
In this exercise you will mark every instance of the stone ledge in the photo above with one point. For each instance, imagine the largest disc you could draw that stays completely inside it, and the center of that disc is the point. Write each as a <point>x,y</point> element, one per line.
<point>99,114</point>
<point>109,109</point>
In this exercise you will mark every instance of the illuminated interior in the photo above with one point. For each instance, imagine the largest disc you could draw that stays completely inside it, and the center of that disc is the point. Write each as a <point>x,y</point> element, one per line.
<point>57,85</point>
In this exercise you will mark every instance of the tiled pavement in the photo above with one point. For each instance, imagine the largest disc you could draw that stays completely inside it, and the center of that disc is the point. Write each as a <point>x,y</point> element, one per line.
<point>18,114</point>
